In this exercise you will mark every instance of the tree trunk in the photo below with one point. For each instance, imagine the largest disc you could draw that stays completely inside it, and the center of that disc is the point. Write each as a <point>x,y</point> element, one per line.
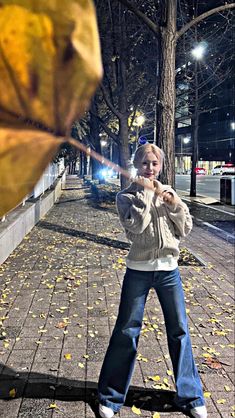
<point>81,164</point>
<point>195,123</point>
<point>158,78</point>
<point>124,155</point>
<point>166,104</point>
<point>122,102</point>
<point>85,165</point>
<point>195,126</point>
<point>96,166</point>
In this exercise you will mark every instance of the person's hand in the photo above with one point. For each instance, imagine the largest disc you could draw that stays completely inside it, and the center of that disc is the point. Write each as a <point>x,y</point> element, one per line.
<point>158,188</point>
<point>144,182</point>
<point>170,197</point>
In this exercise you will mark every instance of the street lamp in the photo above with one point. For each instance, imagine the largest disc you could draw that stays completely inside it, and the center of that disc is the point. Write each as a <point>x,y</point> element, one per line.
<point>103,143</point>
<point>139,121</point>
<point>233,126</point>
<point>186,139</point>
<point>183,140</point>
<point>199,50</point>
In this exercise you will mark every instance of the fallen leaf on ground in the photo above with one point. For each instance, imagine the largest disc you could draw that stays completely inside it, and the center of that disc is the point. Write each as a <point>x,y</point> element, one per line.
<point>154,378</point>
<point>207,394</point>
<point>61,325</point>
<point>53,406</point>
<point>12,393</point>
<point>136,411</point>
<point>170,372</point>
<point>213,363</point>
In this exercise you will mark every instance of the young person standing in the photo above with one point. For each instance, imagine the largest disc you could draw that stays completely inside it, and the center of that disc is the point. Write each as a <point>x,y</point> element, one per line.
<point>154,219</point>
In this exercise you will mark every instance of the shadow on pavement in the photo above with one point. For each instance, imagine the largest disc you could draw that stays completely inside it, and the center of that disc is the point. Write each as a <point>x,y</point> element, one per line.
<point>44,386</point>
<point>187,258</point>
<point>62,201</point>
<point>86,235</point>
<point>75,188</point>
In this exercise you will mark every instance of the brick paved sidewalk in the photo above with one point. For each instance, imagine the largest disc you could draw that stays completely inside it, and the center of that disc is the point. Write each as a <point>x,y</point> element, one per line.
<point>60,292</point>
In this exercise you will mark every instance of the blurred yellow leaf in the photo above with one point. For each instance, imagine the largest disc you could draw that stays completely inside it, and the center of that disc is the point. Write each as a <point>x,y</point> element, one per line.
<point>156,415</point>
<point>50,66</point>
<point>67,356</point>
<point>24,154</point>
<point>50,62</point>
<point>221,401</point>
<point>136,411</point>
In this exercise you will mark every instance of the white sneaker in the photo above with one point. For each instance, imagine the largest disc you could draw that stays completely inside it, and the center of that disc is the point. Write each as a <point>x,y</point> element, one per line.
<point>105,412</point>
<point>199,412</point>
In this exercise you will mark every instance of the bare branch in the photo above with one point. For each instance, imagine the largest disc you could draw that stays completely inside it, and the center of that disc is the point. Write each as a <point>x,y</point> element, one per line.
<point>108,131</point>
<point>200,111</point>
<point>151,25</point>
<point>202,17</point>
<point>108,102</point>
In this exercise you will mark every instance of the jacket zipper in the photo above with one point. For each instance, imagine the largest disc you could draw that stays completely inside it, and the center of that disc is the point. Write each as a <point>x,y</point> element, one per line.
<point>157,230</point>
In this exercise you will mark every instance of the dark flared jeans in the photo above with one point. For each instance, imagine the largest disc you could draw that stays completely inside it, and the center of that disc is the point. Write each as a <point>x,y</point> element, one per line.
<point>120,357</point>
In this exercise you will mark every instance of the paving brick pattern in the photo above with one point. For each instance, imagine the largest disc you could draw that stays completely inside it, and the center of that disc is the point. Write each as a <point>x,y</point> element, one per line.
<point>59,299</point>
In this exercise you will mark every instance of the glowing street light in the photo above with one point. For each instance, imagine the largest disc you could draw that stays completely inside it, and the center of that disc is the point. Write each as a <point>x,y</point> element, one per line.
<point>186,139</point>
<point>139,121</point>
<point>199,50</point>
<point>233,126</point>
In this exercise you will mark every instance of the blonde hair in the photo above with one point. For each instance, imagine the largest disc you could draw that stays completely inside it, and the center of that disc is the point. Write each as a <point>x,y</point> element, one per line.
<point>144,149</point>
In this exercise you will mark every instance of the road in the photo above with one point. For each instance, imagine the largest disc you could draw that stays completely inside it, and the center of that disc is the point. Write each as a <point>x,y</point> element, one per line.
<point>221,217</point>
<point>206,185</point>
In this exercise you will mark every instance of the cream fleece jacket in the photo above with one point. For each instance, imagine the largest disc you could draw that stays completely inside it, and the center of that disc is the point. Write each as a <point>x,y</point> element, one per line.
<point>153,227</point>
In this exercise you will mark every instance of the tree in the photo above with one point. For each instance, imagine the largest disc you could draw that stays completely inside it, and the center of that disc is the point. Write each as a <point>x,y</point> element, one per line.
<point>128,81</point>
<point>168,34</point>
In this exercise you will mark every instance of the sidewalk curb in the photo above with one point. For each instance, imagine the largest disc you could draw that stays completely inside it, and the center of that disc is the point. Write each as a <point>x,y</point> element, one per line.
<point>226,236</point>
<point>214,230</point>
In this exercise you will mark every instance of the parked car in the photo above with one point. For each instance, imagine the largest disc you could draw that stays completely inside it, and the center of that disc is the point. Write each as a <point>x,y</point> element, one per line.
<point>200,170</point>
<point>223,169</point>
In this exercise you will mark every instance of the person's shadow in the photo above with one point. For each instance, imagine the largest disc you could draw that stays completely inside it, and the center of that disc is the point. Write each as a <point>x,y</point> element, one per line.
<point>34,385</point>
